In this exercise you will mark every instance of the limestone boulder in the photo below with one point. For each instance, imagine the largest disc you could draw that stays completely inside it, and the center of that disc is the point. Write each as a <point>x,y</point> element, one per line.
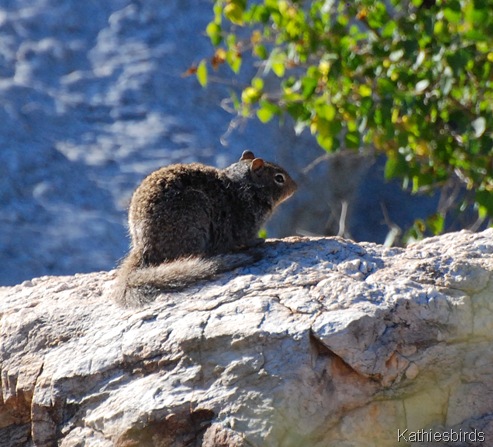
<point>323,343</point>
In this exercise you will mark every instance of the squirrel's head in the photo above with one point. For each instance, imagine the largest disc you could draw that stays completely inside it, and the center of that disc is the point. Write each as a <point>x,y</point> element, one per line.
<point>271,178</point>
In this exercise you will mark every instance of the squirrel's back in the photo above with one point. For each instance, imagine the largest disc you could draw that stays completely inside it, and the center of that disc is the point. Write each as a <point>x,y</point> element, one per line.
<point>173,211</point>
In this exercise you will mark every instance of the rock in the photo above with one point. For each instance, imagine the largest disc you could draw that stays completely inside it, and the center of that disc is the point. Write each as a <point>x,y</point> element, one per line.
<point>323,343</point>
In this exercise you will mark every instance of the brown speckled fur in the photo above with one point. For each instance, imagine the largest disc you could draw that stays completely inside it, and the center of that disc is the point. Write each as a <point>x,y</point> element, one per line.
<point>184,218</point>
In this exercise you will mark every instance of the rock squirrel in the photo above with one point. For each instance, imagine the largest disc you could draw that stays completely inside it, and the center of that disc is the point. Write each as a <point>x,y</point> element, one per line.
<point>190,221</point>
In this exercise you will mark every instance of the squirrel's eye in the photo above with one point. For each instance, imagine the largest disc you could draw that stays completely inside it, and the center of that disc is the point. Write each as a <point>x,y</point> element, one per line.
<point>279,178</point>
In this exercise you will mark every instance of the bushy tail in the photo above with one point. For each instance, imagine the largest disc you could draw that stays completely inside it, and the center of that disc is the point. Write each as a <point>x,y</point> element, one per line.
<point>139,285</point>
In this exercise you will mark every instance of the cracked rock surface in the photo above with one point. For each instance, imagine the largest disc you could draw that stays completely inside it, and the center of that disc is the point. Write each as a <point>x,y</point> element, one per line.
<point>322,343</point>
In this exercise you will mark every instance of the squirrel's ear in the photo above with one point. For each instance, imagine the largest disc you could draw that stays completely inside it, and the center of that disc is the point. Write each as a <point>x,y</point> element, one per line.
<point>257,164</point>
<point>247,155</point>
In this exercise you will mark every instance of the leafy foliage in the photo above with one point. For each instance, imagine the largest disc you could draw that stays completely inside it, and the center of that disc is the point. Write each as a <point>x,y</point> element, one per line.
<point>412,79</point>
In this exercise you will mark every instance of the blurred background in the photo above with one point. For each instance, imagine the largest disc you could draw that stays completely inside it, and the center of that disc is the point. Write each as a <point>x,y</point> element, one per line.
<point>93,98</point>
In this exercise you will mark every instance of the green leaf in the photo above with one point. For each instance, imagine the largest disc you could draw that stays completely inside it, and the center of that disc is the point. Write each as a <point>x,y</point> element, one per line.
<point>202,73</point>
<point>385,86</point>
<point>377,15</point>
<point>298,111</point>
<point>264,115</point>
<point>352,140</point>
<point>436,223</point>
<point>213,30</point>
<point>233,58</point>
<point>276,62</point>
<point>453,12</point>
<point>258,83</point>
<point>250,95</point>
<point>309,85</point>
<point>485,200</point>
<point>326,142</point>
<point>234,10</point>
<point>364,90</point>
<point>260,51</point>
<point>389,29</point>
<point>458,61</point>
<point>325,111</point>
<point>266,111</point>
<point>262,233</point>
<point>395,166</point>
